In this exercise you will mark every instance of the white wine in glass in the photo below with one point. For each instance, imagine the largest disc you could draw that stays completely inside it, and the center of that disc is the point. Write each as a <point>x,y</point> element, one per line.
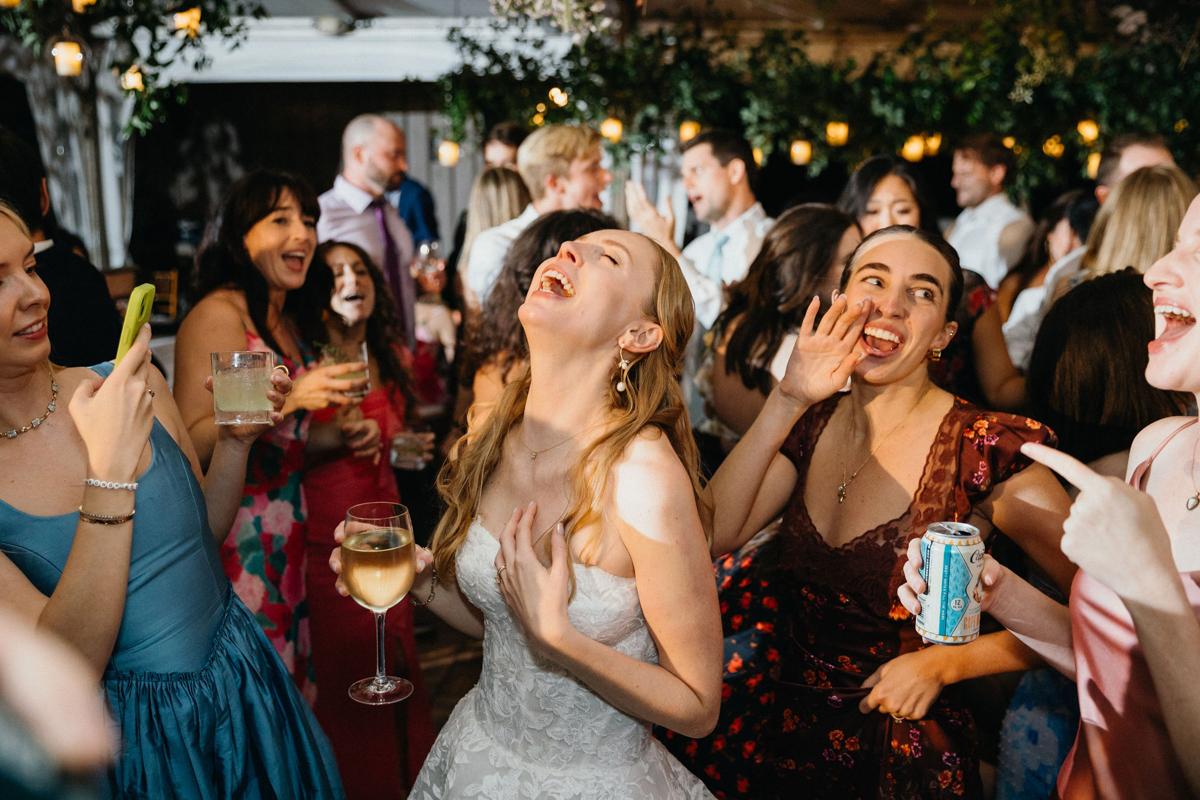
<point>378,568</point>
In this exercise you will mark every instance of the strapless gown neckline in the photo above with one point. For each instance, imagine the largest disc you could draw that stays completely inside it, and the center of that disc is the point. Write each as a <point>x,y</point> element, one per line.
<point>530,729</point>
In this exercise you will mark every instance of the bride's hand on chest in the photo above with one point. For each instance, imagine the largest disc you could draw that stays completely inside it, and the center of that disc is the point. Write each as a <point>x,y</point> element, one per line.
<point>537,595</point>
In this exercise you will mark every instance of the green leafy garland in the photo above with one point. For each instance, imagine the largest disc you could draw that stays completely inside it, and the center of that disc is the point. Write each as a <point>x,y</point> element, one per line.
<point>148,36</point>
<point>1032,71</point>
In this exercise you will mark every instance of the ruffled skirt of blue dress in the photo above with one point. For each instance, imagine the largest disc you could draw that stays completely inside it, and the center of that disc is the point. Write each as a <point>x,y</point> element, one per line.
<point>237,728</point>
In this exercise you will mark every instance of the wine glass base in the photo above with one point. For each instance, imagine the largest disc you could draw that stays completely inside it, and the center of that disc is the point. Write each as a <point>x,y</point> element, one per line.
<point>393,690</point>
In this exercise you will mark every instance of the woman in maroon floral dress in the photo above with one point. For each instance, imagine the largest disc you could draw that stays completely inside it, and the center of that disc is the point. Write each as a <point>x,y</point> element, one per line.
<point>858,707</point>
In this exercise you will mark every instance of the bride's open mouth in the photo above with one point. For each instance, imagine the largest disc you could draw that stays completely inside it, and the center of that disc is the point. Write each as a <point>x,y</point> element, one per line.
<point>556,283</point>
<point>880,342</point>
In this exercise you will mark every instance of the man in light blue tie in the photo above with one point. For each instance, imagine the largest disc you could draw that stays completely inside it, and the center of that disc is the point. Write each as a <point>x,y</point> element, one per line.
<point>719,175</point>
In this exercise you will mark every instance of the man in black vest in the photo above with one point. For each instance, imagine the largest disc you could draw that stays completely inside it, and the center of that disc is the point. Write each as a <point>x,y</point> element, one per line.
<point>84,324</point>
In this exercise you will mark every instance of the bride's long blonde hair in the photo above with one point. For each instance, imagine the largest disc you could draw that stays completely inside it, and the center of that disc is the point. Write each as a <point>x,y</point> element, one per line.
<point>652,397</point>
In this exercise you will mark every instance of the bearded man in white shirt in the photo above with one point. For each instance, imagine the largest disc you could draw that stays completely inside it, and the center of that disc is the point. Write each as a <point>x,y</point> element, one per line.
<point>991,233</point>
<point>719,175</point>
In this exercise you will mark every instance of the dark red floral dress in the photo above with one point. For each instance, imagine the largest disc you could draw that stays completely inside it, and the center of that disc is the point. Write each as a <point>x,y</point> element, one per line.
<point>753,609</point>
<point>846,622</point>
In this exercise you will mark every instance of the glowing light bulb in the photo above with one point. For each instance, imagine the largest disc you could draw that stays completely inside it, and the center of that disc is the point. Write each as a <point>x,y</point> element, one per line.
<point>1053,147</point>
<point>933,143</point>
<point>1009,142</point>
<point>913,149</point>
<point>801,152</point>
<point>688,130</point>
<point>131,79</point>
<point>1089,131</point>
<point>448,154</point>
<point>187,23</point>
<point>837,133</point>
<point>612,129</point>
<point>1093,165</point>
<point>758,155</point>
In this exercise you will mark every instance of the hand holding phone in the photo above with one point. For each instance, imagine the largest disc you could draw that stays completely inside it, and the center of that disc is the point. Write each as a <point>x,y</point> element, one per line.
<point>141,300</point>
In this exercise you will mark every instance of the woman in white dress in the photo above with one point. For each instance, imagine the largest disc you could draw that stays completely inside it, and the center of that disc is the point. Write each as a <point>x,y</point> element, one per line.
<point>573,545</point>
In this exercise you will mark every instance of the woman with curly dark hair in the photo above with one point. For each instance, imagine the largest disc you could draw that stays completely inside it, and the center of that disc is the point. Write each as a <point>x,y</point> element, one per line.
<point>358,310</point>
<point>500,344</point>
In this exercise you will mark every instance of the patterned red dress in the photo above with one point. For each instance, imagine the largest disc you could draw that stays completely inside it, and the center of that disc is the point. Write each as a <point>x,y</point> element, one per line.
<point>379,751</point>
<point>846,623</point>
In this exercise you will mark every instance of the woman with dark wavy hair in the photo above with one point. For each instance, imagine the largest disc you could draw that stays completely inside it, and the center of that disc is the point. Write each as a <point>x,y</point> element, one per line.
<point>802,256</point>
<point>500,344</point>
<point>249,273</point>
<point>358,309</point>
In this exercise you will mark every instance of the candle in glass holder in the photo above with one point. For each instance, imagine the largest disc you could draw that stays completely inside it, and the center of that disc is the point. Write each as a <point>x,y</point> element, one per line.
<point>68,58</point>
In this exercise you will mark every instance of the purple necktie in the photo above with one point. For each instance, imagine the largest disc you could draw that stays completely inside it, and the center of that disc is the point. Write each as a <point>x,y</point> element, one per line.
<point>391,268</point>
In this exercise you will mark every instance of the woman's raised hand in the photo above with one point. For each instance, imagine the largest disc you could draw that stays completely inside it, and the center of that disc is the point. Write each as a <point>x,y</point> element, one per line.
<point>536,595</point>
<point>320,387</point>
<point>114,415</point>
<point>825,356</point>
<point>281,387</point>
<point>1114,532</point>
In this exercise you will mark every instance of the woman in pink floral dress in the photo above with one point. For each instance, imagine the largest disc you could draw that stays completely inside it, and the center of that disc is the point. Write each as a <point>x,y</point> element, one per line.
<point>250,275</point>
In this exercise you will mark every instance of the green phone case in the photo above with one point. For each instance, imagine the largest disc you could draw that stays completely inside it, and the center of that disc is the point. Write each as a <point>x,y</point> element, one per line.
<point>136,315</point>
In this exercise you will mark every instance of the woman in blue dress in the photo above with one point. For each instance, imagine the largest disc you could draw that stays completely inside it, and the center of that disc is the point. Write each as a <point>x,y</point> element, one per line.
<point>131,577</point>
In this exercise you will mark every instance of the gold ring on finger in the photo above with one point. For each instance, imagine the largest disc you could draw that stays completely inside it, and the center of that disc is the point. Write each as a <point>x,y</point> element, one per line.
<point>898,718</point>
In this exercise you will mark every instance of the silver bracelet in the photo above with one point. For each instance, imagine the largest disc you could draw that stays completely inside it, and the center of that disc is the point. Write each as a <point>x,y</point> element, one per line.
<point>132,487</point>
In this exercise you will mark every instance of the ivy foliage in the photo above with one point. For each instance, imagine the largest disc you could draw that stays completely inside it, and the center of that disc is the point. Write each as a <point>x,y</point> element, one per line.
<point>144,36</point>
<point>1031,70</point>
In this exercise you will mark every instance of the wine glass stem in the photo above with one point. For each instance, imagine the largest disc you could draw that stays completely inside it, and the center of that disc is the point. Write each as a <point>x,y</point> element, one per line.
<point>380,666</point>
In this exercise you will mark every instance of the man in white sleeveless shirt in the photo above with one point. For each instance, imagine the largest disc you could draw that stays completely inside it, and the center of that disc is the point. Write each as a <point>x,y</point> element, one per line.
<point>991,233</point>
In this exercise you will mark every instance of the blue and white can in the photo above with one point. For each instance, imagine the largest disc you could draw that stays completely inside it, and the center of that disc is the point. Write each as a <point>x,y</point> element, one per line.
<point>951,565</point>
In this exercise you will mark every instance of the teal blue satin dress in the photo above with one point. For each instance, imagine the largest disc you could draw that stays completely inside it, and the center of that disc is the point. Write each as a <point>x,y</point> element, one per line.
<point>205,707</point>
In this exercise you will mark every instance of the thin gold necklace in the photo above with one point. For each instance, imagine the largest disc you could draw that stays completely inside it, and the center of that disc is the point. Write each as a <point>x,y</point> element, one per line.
<point>533,454</point>
<point>841,490</point>
<point>1194,500</point>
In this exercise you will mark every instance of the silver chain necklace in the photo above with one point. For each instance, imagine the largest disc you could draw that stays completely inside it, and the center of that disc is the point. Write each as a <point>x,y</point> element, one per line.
<point>49,408</point>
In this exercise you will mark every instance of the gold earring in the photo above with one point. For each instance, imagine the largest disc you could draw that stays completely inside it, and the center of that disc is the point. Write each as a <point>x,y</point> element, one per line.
<point>935,354</point>
<point>624,367</point>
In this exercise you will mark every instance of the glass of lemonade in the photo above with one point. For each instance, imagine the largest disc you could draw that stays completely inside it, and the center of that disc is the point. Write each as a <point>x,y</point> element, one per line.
<point>350,354</point>
<point>378,567</point>
<point>241,380</point>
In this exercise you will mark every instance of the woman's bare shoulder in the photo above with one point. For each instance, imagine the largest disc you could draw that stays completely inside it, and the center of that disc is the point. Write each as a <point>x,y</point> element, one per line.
<point>651,487</point>
<point>1153,435</point>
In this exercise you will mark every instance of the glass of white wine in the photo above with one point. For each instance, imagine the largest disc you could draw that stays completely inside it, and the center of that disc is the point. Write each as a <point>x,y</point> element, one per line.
<point>378,567</point>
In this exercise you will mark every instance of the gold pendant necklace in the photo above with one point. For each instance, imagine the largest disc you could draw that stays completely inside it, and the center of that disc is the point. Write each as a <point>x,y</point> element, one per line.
<point>841,490</point>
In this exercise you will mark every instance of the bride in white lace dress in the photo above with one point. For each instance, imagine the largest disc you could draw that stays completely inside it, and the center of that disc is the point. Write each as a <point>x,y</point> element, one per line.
<point>594,597</point>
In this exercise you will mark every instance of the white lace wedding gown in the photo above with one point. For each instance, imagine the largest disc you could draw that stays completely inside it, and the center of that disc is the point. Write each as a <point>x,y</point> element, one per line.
<point>529,729</point>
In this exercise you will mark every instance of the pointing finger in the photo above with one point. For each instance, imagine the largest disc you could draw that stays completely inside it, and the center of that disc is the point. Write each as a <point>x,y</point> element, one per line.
<point>1069,467</point>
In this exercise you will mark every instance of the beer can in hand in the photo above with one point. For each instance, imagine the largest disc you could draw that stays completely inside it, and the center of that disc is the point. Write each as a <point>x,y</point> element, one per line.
<point>951,566</point>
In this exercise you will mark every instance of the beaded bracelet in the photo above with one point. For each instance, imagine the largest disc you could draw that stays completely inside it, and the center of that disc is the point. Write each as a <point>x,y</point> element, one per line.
<point>132,487</point>
<point>432,589</point>
<point>102,519</point>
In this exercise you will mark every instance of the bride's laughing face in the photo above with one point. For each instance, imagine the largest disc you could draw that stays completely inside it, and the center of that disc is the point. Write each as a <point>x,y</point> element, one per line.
<point>595,289</point>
